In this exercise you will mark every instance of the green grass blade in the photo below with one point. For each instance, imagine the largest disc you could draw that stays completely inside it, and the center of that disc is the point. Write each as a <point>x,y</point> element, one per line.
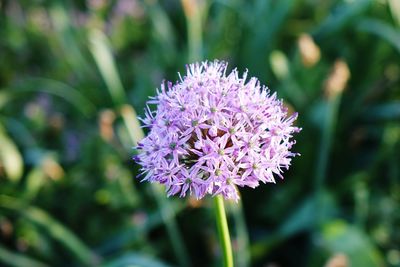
<point>288,85</point>
<point>342,16</point>
<point>53,87</point>
<point>60,18</point>
<point>101,50</point>
<point>168,214</point>
<point>194,11</point>
<point>242,253</point>
<point>394,6</point>
<point>163,34</point>
<point>54,228</point>
<point>332,108</point>
<point>132,124</point>
<point>264,31</point>
<point>328,130</point>
<point>381,29</point>
<point>135,259</point>
<point>4,98</point>
<point>389,111</point>
<point>35,180</point>
<point>10,157</point>
<point>132,235</point>
<point>18,260</point>
<point>20,132</point>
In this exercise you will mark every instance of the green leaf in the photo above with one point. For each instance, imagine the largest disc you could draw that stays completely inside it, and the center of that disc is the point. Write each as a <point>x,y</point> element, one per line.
<point>164,40</point>
<point>68,40</point>
<point>20,132</point>
<point>340,237</point>
<point>132,235</point>
<point>53,87</point>
<point>18,260</point>
<point>10,157</point>
<point>394,6</point>
<point>279,64</point>
<point>288,85</point>
<point>381,29</point>
<point>133,260</point>
<point>54,228</point>
<point>4,98</point>
<point>101,50</point>
<point>304,215</point>
<point>383,112</point>
<point>34,181</point>
<point>132,124</point>
<point>304,218</point>
<point>266,19</point>
<point>341,16</point>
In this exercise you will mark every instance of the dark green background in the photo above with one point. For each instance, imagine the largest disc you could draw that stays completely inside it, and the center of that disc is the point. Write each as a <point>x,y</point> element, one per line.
<point>68,193</point>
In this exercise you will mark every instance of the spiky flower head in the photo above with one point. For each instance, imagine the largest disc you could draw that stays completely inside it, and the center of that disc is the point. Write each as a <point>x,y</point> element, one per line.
<point>213,131</point>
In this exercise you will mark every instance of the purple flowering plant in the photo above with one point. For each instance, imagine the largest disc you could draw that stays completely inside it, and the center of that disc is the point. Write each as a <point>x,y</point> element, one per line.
<point>213,131</point>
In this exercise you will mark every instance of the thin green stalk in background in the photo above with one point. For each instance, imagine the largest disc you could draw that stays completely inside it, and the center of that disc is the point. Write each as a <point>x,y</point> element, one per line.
<point>101,51</point>
<point>194,10</point>
<point>323,158</point>
<point>105,62</point>
<point>62,23</point>
<point>334,87</point>
<point>18,259</point>
<point>223,231</point>
<point>242,253</point>
<point>168,215</point>
<point>326,140</point>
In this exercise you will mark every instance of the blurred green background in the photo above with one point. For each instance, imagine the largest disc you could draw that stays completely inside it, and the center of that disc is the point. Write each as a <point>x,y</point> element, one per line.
<point>73,73</point>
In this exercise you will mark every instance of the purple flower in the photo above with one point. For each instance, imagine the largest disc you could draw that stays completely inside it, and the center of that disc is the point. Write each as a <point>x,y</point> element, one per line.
<point>213,131</point>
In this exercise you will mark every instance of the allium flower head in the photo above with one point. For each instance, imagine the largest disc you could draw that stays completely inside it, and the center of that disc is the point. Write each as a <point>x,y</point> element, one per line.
<point>213,131</point>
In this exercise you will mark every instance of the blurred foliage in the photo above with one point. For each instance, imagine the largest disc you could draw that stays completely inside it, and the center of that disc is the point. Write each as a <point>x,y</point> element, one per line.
<point>71,71</point>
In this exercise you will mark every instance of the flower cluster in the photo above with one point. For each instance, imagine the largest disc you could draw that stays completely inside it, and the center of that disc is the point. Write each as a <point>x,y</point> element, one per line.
<point>213,131</point>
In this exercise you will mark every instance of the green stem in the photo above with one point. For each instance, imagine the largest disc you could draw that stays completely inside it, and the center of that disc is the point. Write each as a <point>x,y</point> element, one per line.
<point>324,152</point>
<point>194,11</point>
<point>195,37</point>
<point>223,231</point>
<point>326,140</point>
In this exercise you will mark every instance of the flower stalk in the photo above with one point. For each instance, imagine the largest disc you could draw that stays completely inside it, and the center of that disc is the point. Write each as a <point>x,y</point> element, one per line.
<point>223,231</point>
